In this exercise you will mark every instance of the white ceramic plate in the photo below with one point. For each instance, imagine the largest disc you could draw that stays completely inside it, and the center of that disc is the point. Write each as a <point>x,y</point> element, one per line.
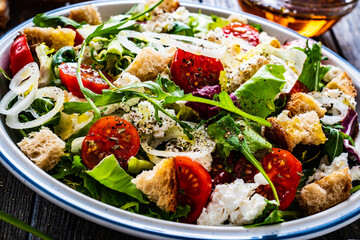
<point>20,166</point>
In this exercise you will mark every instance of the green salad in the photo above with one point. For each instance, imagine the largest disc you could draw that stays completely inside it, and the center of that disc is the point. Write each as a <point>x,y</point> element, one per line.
<point>183,116</point>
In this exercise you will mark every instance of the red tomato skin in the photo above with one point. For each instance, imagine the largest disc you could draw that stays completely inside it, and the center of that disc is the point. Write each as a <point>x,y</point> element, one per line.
<point>284,171</point>
<point>78,38</point>
<point>90,78</point>
<point>243,31</point>
<point>299,87</point>
<point>190,71</point>
<point>20,54</point>
<point>195,182</point>
<point>110,135</point>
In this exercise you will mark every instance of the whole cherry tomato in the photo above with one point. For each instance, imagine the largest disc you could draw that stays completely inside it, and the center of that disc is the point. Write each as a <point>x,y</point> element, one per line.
<point>243,31</point>
<point>20,54</point>
<point>110,135</point>
<point>90,78</point>
<point>195,186</point>
<point>190,71</point>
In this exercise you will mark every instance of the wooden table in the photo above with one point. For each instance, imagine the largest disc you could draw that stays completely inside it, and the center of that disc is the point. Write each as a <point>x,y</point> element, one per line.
<point>20,201</point>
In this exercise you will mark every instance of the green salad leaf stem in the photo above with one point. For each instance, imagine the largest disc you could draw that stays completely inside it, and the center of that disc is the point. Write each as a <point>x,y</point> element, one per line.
<point>20,224</point>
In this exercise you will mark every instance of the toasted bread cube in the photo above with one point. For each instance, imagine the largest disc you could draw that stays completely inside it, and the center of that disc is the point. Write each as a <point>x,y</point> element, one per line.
<point>166,6</point>
<point>53,38</point>
<point>44,148</point>
<point>148,64</point>
<point>302,103</point>
<point>288,132</point>
<point>88,14</point>
<point>326,192</point>
<point>344,83</point>
<point>160,184</point>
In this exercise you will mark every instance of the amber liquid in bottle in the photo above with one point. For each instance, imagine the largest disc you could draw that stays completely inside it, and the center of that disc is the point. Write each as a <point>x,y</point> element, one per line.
<point>305,23</point>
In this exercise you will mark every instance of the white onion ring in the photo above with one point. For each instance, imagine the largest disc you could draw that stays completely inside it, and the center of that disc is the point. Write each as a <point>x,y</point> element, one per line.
<point>25,78</point>
<point>20,105</point>
<point>128,44</point>
<point>50,92</point>
<point>196,45</point>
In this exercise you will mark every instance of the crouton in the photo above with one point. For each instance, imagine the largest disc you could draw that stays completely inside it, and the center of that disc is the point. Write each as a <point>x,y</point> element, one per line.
<point>288,132</point>
<point>344,83</point>
<point>53,38</point>
<point>166,6</point>
<point>148,64</point>
<point>160,184</point>
<point>326,192</point>
<point>88,14</point>
<point>302,103</point>
<point>4,13</point>
<point>44,148</point>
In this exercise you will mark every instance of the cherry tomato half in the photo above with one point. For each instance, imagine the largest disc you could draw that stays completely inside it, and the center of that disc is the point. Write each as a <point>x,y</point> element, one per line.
<point>299,87</point>
<point>195,186</point>
<point>190,71</point>
<point>284,171</point>
<point>110,135</point>
<point>78,38</point>
<point>20,54</point>
<point>243,31</point>
<point>90,78</point>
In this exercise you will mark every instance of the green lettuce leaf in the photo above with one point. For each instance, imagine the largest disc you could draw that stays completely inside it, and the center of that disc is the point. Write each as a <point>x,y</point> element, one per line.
<point>257,95</point>
<point>110,174</point>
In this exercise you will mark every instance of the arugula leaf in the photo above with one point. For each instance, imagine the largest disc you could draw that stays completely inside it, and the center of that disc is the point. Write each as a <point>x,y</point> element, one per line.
<point>229,136</point>
<point>334,146</point>
<point>110,174</point>
<point>181,28</point>
<point>67,166</point>
<point>65,54</point>
<point>312,72</point>
<point>306,173</point>
<point>257,95</point>
<point>43,20</point>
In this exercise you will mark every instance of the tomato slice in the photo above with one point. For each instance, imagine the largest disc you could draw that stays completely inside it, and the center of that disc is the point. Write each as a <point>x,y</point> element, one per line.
<point>299,87</point>
<point>190,71</point>
<point>90,78</point>
<point>284,171</point>
<point>110,135</point>
<point>20,54</point>
<point>243,31</point>
<point>194,184</point>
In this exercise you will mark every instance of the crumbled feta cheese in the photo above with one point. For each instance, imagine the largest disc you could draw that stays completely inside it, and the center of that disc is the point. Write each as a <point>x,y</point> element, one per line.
<point>244,71</point>
<point>165,22</point>
<point>143,118</point>
<point>234,202</point>
<point>260,179</point>
<point>338,163</point>
<point>126,79</point>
